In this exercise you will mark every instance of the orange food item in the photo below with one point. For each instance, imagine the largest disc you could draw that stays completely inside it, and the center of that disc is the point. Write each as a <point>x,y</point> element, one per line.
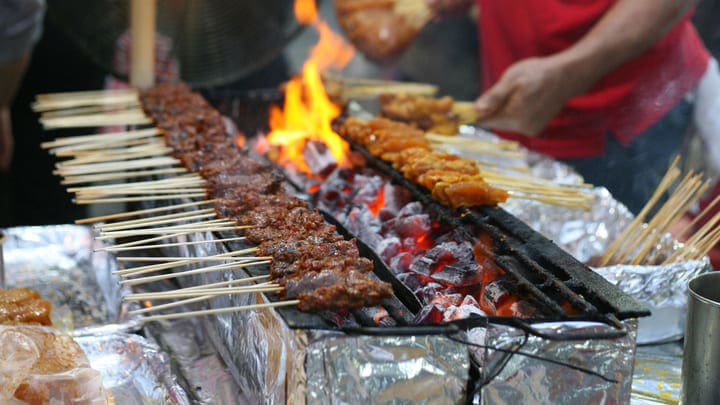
<point>427,113</point>
<point>374,28</point>
<point>23,305</point>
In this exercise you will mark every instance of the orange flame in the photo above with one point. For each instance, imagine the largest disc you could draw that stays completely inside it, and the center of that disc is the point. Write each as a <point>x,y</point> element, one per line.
<point>307,112</point>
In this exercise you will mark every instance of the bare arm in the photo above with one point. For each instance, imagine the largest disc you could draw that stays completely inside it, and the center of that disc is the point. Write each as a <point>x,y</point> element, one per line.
<point>532,91</point>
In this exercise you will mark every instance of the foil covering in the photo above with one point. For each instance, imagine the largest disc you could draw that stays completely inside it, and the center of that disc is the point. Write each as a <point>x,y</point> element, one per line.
<point>134,370</point>
<point>385,370</point>
<point>588,234</point>
<point>59,262</point>
<point>208,379</point>
<point>522,379</point>
<point>657,377</point>
<point>258,347</point>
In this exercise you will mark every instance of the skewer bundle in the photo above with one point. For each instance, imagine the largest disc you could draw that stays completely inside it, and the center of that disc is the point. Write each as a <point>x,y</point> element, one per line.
<point>321,279</point>
<point>195,160</point>
<point>636,244</point>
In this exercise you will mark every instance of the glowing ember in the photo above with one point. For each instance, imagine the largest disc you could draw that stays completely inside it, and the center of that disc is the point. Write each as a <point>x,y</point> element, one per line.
<point>307,112</point>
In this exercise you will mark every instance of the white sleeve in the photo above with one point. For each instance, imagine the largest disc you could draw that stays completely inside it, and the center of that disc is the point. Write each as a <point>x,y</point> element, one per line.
<point>706,115</point>
<point>20,27</point>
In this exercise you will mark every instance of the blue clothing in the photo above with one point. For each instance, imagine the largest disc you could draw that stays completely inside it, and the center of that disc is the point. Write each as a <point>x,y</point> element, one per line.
<point>632,172</point>
<point>20,27</point>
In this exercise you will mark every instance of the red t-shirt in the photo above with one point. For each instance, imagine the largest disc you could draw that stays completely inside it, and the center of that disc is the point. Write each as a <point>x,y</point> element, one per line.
<point>626,102</point>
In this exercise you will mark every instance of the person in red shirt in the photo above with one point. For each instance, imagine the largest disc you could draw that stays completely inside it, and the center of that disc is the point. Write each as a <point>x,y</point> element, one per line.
<point>600,84</point>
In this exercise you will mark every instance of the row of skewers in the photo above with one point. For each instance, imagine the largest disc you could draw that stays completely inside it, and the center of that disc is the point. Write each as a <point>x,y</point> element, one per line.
<point>311,266</point>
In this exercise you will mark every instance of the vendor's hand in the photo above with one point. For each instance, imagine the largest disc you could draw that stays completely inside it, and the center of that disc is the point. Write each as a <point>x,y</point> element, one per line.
<point>449,7</point>
<point>6,139</point>
<point>527,96</point>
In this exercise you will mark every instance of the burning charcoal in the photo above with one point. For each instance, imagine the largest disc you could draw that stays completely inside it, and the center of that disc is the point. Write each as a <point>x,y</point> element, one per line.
<point>414,226</point>
<point>379,315</point>
<point>458,275</point>
<point>396,198</point>
<point>447,300</point>
<point>428,292</point>
<point>388,247</point>
<point>496,291</point>
<point>319,158</point>
<point>367,228</point>
<point>413,208</point>
<point>368,192</point>
<point>400,263</point>
<point>468,306</point>
<point>429,314</point>
<point>411,280</point>
<point>423,265</point>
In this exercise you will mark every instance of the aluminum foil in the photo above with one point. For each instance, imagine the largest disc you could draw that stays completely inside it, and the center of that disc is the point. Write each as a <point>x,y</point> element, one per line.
<point>588,234</point>
<point>658,374</point>
<point>385,370</point>
<point>59,262</point>
<point>522,379</point>
<point>134,370</point>
<point>257,346</point>
<point>208,379</point>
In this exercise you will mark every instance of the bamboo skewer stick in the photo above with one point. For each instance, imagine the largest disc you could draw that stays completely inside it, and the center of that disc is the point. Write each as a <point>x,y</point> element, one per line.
<point>211,292</point>
<point>115,106</point>
<point>170,305</point>
<point>145,211</point>
<point>91,178</point>
<point>150,184</point>
<point>701,215</point>
<point>75,102</point>
<point>96,120</point>
<point>117,166</point>
<point>463,141</point>
<point>163,245</point>
<point>155,223</point>
<point>178,216</point>
<point>144,192</point>
<point>178,227</point>
<point>670,176</point>
<point>219,310</point>
<point>153,239</point>
<point>97,147</point>
<point>85,94</point>
<point>100,138</point>
<point>158,151</point>
<point>145,198</point>
<point>210,227</point>
<point>229,282</point>
<point>178,262</point>
<point>191,300</point>
<point>152,268</point>
<point>149,279</point>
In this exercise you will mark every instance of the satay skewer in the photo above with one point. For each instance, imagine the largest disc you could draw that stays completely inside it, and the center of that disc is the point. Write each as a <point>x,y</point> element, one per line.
<point>112,157</point>
<point>185,219</point>
<point>95,147</point>
<point>136,199</point>
<point>145,211</point>
<point>177,262</point>
<point>222,267</point>
<point>164,245</point>
<point>179,215</point>
<point>97,120</point>
<point>100,138</point>
<point>265,287</point>
<point>92,178</point>
<point>116,166</point>
<point>220,310</point>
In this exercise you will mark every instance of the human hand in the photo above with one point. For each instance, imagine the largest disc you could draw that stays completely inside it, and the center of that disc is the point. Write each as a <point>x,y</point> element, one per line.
<point>6,139</point>
<point>528,95</point>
